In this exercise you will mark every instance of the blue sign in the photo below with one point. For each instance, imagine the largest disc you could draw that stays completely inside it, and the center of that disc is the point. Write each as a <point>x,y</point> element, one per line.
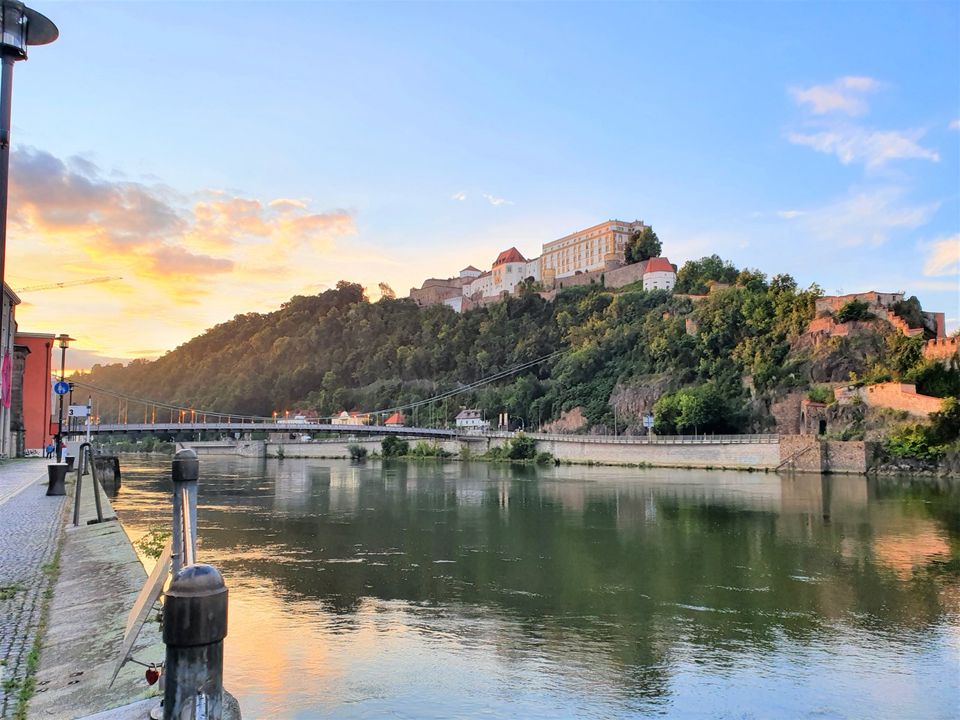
<point>61,387</point>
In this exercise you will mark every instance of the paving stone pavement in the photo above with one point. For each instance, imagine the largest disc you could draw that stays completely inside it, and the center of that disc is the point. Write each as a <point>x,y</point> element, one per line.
<point>30,530</point>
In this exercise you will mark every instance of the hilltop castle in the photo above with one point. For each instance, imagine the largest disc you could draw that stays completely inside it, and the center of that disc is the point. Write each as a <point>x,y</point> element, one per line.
<point>594,254</point>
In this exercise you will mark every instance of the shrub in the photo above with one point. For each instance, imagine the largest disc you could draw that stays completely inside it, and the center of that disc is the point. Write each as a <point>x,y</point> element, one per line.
<point>521,447</point>
<point>854,310</point>
<point>392,446</point>
<point>544,458</point>
<point>423,449</point>
<point>821,394</point>
<point>357,452</point>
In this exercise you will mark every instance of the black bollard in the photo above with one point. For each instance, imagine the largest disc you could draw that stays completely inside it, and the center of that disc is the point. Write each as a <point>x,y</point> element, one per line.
<point>194,626</point>
<point>56,475</point>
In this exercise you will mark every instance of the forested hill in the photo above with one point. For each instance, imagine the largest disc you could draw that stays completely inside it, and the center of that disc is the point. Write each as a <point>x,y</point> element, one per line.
<point>729,354</point>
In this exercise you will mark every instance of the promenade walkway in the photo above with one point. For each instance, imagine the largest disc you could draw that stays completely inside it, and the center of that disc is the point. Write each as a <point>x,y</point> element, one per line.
<point>30,529</point>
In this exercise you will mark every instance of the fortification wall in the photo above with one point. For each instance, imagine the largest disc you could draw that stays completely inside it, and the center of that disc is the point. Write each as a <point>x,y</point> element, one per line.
<point>941,348</point>
<point>897,396</point>
<point>614,278</point>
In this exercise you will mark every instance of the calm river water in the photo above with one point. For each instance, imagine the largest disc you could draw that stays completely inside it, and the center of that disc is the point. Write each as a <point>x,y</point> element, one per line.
<point>467,590</point>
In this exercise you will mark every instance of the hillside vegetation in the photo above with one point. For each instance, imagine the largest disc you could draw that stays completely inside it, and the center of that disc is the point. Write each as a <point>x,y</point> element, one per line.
<point>717,362</point>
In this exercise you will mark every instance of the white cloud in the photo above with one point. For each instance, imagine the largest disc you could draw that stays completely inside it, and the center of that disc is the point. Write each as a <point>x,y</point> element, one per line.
<point>955,125</point>
<point>459,196</point>
<point>497,200</point>
<point>867,217</point>
<point>873,148</point>
<point>944,257</point>
<point>844,95</point>
<point>789,214</point>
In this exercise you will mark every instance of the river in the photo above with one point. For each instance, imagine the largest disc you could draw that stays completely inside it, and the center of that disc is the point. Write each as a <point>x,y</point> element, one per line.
<point>467,590</point>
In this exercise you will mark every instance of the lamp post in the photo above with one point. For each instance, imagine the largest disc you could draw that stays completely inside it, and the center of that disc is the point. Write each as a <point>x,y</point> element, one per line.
<point>19,27</point>
<point>64,341</point>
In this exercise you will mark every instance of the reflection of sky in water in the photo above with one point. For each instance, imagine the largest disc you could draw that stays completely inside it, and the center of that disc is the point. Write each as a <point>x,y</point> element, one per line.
<point>464,590</point>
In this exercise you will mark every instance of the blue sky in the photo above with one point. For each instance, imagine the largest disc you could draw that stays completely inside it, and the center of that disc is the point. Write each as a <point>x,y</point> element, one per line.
<point>408,140</point>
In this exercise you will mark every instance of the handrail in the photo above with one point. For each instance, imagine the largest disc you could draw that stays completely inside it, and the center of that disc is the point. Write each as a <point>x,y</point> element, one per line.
<point>85,455</point>
<point>795,456</point>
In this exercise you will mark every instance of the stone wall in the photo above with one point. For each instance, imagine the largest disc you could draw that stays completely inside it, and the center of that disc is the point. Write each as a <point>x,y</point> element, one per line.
<point>941,348</point>
<point>801,453</point>
<point>613,278</point>
<point>746,455</point>
<point>893,395</point>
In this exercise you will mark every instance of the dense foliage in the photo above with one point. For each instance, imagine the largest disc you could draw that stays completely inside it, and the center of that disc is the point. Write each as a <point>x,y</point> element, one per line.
<point>642,245</point>
<point>720,360</point>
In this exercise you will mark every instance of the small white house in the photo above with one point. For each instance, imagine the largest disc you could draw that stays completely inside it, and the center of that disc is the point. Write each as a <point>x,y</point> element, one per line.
<point>471,419</point>
<point>659,274</point>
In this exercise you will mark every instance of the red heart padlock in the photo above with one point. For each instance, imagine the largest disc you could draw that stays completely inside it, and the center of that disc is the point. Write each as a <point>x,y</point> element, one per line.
<point>152,675</point>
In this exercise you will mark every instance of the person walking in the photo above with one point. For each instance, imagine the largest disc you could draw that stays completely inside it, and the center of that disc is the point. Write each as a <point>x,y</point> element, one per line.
<point>48,451</point>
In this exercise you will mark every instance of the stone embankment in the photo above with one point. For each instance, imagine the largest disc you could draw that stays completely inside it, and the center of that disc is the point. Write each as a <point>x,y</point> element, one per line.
<point>788,453</point>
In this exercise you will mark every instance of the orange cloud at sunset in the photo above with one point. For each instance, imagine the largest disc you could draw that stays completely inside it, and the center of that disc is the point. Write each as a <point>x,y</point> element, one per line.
<point>188,261</point>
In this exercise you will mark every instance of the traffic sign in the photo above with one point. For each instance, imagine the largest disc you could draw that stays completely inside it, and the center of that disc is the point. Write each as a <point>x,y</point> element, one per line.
<point>61,387</point>
<point>79,411</point>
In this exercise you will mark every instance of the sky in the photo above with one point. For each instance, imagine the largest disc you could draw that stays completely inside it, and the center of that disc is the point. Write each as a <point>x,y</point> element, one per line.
<point>221,157</point>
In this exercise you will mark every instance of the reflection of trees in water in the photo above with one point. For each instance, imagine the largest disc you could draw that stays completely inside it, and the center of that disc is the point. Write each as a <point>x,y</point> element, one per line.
<point>622,570</point>
<point>639,566</point>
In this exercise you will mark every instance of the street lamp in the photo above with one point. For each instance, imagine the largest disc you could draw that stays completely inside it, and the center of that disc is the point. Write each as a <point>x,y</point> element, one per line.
<point>64,341</point>
<point>19,27</point>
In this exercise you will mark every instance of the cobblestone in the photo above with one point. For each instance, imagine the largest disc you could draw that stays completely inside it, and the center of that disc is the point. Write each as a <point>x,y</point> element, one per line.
<point>30,529</point>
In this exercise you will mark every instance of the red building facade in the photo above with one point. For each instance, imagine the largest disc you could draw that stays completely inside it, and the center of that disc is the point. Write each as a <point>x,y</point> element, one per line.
<point>36,389</point>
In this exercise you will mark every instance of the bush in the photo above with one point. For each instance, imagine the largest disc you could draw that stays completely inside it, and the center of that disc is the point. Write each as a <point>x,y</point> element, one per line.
<point>854,310</point>
<point>521,447</point>
<point>423,449</point>
<point>544,458</point>
<point>357,452</point>
<point>392,446</point>
<point>821,394</point>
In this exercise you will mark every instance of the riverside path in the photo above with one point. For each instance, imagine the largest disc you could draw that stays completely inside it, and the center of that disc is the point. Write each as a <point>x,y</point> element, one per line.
<point>30,530</point>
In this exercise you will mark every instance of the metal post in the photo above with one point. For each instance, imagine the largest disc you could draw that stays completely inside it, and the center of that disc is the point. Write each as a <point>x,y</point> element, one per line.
<point>194,626</point>
<point>6,96</point>
<point>186,472</point>
<point>63,362</point>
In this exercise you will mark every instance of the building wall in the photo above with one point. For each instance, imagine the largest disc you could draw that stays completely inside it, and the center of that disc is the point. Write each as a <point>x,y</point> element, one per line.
<point>833,303</point>
<point>435,291</point>
<point>587,250</point>
<point>37,408</point>
<point>659,281</point>
<point>8,319</point>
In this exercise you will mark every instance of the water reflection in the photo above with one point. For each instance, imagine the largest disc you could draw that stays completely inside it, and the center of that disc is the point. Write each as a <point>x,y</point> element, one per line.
<point>422,589</point>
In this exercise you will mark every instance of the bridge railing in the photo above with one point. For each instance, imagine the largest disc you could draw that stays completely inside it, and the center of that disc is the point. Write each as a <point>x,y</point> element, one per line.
<point>463,433</point>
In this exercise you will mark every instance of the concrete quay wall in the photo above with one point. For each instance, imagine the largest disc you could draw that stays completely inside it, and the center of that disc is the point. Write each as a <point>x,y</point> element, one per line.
<point>733,455</point>
<point>797,453</point>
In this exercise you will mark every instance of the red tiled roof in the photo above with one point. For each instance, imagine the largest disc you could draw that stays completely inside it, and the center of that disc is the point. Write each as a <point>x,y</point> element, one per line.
<point>658,264</point>
<point>395,419</point>
<point>511,255</point>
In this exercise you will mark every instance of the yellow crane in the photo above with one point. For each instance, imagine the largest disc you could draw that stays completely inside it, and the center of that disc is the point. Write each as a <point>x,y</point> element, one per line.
<point>67,283</point>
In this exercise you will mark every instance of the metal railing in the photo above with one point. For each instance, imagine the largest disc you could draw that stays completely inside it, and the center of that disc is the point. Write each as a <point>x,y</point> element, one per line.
<point>194,612</point>
<point>84,460</point>
<point>643,439</point>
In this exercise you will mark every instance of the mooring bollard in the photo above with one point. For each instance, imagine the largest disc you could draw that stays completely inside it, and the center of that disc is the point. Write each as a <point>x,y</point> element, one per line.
<point>186,472</point>
<point>194,626</point>
<point>56,475</point>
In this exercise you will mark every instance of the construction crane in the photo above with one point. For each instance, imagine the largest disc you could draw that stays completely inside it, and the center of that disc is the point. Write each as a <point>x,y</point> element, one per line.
<point>68,283</point>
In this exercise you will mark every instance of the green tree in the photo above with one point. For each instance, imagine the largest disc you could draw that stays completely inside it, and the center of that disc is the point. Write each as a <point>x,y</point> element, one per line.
<point>695,275</point>
<point>642,245</point>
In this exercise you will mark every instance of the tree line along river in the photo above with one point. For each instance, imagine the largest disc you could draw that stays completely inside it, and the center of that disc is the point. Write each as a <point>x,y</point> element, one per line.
<point>440,590</point>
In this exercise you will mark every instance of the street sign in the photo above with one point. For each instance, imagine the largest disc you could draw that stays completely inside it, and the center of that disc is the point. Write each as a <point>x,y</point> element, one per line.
<point>61,387</point>
<point>648,421</point>
<point>79,411</point>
